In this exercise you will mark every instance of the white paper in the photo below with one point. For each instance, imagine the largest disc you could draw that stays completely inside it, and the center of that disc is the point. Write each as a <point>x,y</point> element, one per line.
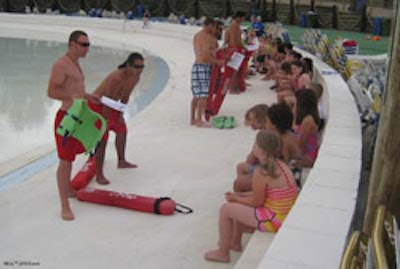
<point>252,47</point>
<point>116,105</point>
<point>236,60</point>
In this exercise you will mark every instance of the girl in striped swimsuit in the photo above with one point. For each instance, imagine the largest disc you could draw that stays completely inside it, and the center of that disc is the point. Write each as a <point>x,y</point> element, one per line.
<point>273,194</point>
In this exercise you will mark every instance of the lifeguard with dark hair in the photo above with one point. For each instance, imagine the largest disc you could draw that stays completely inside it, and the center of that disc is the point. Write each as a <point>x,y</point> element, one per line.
<point>116,88</point>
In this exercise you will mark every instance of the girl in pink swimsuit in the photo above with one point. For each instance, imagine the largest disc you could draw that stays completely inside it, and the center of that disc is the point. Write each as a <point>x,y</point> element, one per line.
<point>306,126</point>
<point>273,194</point>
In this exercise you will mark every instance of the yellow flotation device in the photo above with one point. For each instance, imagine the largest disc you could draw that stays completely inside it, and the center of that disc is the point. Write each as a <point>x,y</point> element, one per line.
<point>80,123</point>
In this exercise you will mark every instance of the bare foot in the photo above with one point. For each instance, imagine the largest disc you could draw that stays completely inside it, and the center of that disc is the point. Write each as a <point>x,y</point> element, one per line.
<point>67,215</point>
<point>248,230</point>
<point>236,247</point>
<point>71,193</point>
<point>203,125</point>
<point>217,256</point>
<point>102,181</point>
<point>125,164</point>
<point>192,122</point>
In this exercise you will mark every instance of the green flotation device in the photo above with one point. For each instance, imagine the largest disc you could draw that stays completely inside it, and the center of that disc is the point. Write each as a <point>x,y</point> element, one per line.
<point>80,123</point>
<point>224,122</point>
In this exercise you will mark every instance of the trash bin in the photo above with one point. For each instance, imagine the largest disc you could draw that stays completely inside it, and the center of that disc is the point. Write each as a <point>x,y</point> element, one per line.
<point>377,26</point>
<point>311,20</point>
<point>303,20</point>
<point>386,26</point>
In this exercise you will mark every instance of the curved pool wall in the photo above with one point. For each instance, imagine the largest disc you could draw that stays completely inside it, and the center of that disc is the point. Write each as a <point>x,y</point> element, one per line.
<point>315,232</point>
<point>28,114</point>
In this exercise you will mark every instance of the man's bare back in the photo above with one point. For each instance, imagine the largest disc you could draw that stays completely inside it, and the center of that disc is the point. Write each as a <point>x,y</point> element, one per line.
<point>204,47</point>
<point>233,35</point>
<point>118,86</point>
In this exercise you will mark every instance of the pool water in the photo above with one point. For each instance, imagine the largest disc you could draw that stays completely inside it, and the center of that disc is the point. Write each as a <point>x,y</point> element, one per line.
<point>27,114</point>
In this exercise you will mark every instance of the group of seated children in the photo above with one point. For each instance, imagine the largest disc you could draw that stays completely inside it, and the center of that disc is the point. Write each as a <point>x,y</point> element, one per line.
<point>265,188</point>
<point>267,182</point>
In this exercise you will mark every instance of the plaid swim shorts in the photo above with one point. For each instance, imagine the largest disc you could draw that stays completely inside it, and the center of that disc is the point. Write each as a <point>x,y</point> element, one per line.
<point>201,75</point>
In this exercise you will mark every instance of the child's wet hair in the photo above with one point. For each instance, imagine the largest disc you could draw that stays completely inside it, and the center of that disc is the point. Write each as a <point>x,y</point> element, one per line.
<point>281,116</point>
<point>260,113</point>
<point>306,104</point>
<point>271,143</point>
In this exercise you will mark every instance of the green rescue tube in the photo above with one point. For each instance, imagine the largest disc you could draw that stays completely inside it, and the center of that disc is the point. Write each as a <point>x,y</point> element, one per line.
<point>80,123</point>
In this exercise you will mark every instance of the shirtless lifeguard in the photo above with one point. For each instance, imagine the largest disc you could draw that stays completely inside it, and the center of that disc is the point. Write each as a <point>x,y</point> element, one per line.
<point>66,84</point>
<point>233,34</point>
<point>117,86</point>
<point>204,48</point>
<point>233,40</point>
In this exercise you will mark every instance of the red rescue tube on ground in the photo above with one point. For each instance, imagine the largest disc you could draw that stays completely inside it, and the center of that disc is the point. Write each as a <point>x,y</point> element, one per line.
<point>84,175</point>
<point>162,205</point>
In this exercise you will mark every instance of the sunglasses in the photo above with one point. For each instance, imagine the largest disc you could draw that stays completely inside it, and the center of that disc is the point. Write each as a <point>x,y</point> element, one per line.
<point>83,44</point>
<point>138,66</point>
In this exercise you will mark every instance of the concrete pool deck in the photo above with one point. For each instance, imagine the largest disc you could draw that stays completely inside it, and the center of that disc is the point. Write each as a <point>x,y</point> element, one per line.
<point>193,166</point>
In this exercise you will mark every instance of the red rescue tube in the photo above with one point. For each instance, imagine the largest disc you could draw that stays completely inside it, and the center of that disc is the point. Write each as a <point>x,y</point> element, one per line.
<point>243,70</point>
<point>220,80</point>
<point>162,205</point>
<point>84,175</point>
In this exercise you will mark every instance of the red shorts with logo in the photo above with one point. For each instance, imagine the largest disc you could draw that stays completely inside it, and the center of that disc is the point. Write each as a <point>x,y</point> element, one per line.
<point>68,147</point>
<point>115,123</point>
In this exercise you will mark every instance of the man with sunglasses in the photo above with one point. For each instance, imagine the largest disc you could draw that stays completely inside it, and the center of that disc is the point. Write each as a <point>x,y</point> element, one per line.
<point>66,84</point>
<point>114,91</point>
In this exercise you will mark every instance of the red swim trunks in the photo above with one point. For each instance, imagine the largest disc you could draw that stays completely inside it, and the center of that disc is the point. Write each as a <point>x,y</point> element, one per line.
<point>68,147</point>
<point>115,122</point>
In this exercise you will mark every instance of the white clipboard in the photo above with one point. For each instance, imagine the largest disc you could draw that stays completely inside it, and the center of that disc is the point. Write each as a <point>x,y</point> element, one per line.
<point>116,105</point>
<point>236,60</point>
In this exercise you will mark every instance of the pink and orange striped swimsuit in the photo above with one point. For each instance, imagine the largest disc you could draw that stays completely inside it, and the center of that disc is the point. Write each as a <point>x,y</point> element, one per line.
<point>277,205</point>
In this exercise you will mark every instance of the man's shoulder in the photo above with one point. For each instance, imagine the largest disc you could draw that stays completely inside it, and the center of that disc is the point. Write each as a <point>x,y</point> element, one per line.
<point>114,76</point>
<point>200,33</point>
<point>62,60</point>
<point>62,63</point>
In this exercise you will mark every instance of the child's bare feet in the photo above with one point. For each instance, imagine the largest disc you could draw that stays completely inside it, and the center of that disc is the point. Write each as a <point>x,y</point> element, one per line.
<point>67,215</point>
<point>125,164</point>
<point>217,256</point>
<point>102,181</point>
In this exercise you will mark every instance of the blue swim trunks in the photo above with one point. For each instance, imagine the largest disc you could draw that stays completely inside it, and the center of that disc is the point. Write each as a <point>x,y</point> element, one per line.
<point>201,75</point>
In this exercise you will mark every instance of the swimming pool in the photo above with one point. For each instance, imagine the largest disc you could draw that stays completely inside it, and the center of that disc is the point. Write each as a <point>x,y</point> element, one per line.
<point>27,114</point>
